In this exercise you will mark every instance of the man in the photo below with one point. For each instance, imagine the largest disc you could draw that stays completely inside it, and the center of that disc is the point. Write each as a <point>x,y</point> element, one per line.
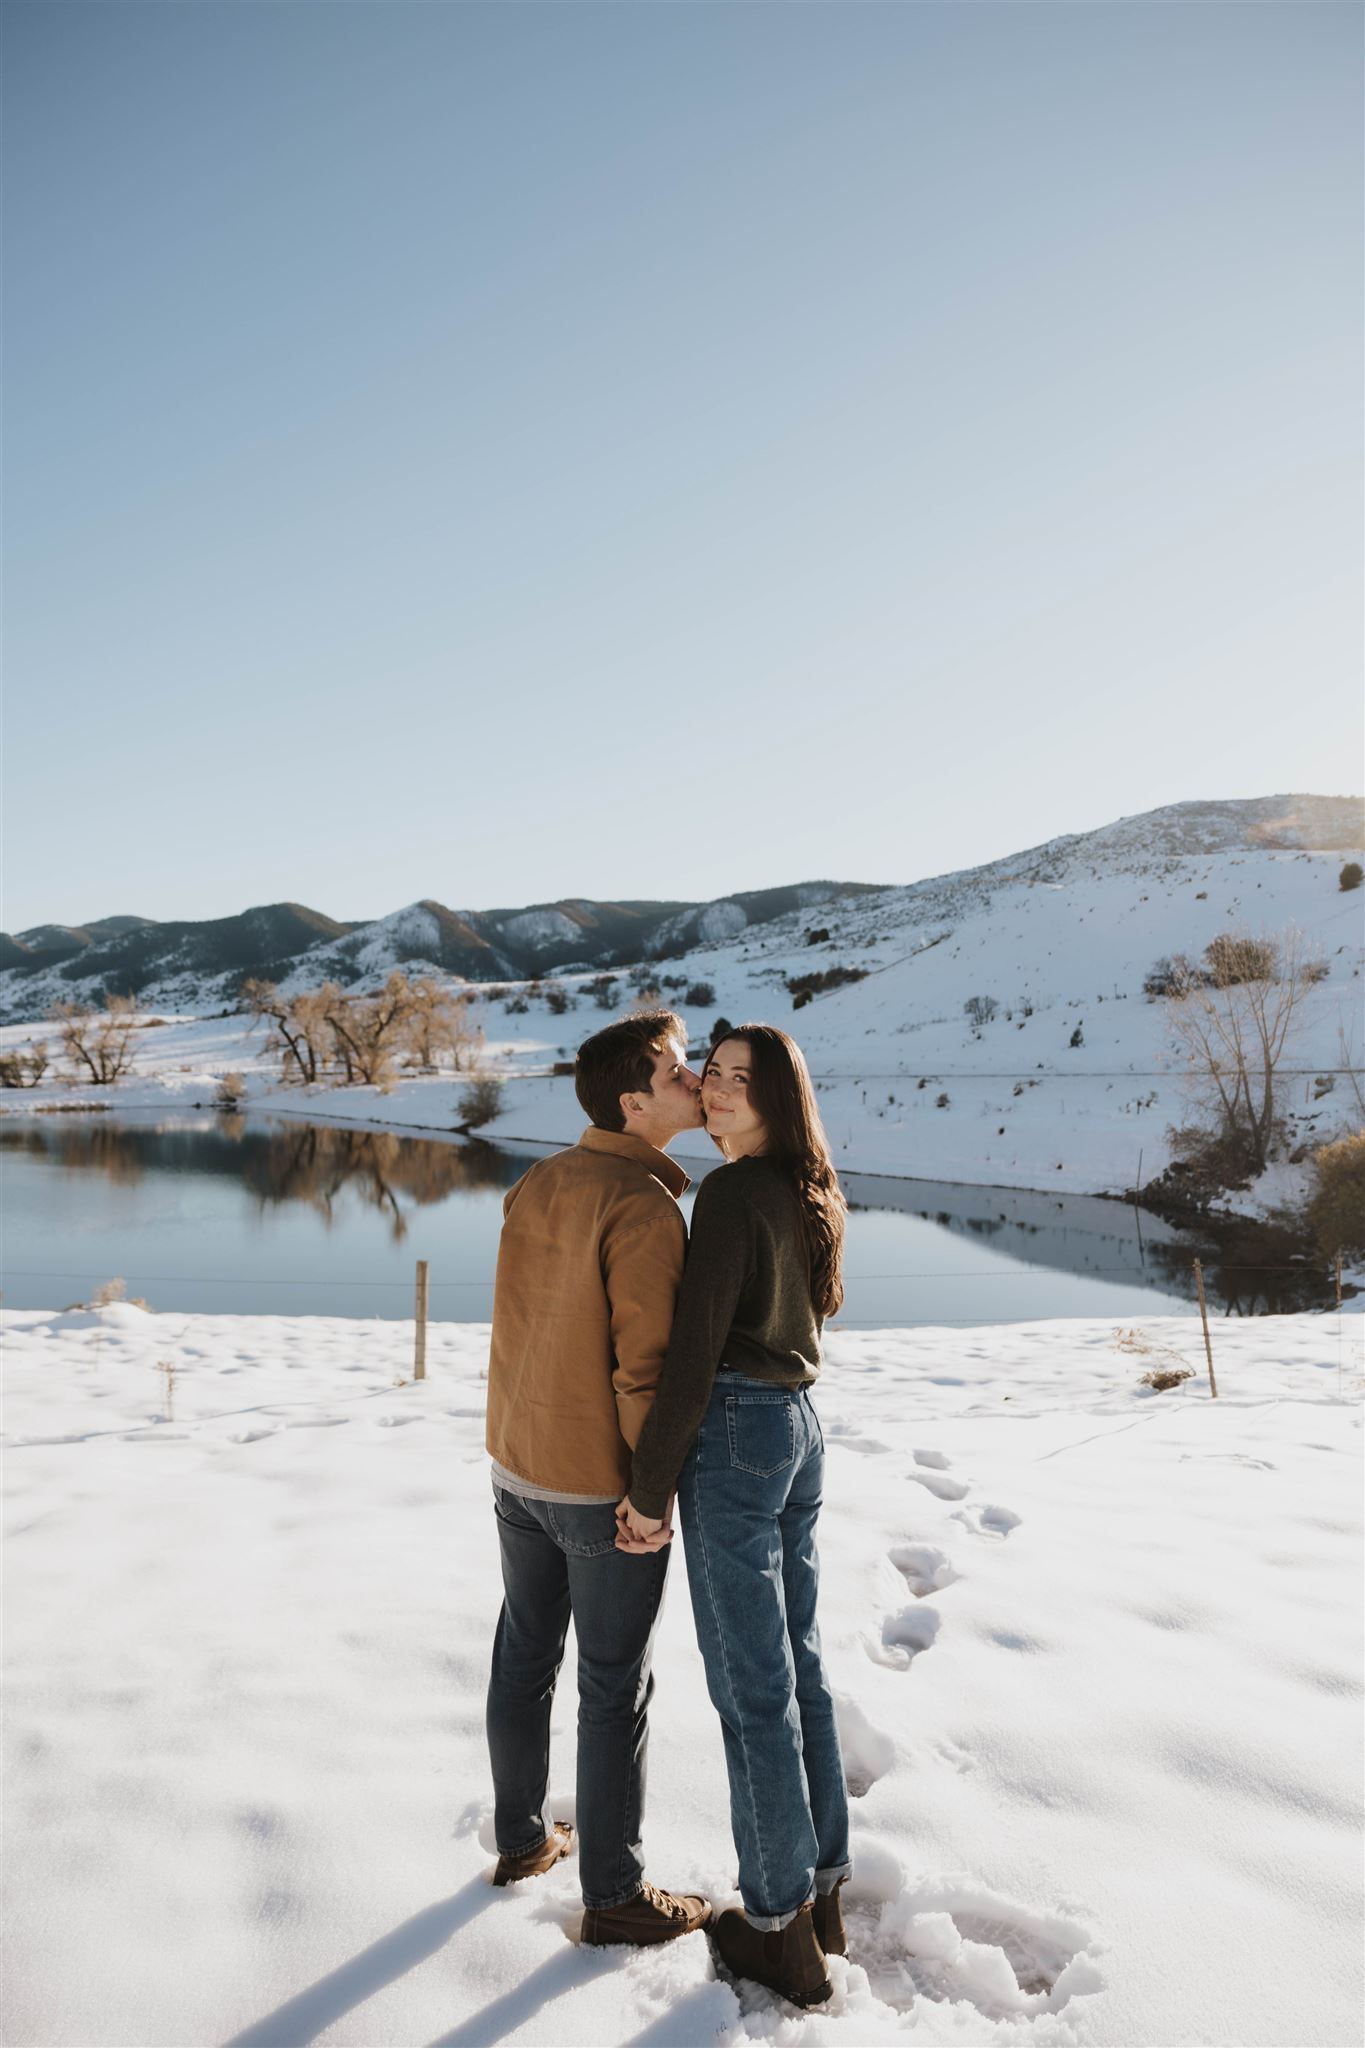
<point>588,1270</point>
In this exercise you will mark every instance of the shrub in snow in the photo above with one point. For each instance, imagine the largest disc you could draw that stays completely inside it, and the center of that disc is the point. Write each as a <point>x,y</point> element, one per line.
<point>229,1092</point>
<point>1336,1208</point>
<point>1351,876</point>
<point>941,1101</point>
<point>1171,976</point>
<point>700,995</point>
<point>980,1009</point>
<point>557,996</point>
<point>1076,1037</point>
<point>481,1101</point>
<point>803,986</point>
<point>24,1069</point>
<point>1235,957</point>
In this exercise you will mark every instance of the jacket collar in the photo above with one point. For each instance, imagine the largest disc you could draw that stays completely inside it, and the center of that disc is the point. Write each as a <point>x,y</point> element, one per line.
<point>644,1154</point>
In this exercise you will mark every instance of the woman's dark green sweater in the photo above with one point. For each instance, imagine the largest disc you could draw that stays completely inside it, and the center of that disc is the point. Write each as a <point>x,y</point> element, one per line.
<point>744,1302</point>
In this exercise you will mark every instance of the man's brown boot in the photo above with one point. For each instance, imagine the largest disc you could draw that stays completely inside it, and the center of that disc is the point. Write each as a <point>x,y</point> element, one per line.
<point>789,1961</point>
<point>535,1862</point>
<point>828,1916</point>
<point>649,1917</point>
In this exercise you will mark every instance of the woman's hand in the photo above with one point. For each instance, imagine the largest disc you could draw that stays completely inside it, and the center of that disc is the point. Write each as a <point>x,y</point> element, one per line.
<point>639,1534</point>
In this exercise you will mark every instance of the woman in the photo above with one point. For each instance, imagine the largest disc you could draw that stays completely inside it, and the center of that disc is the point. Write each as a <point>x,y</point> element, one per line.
<point>733,1429</point>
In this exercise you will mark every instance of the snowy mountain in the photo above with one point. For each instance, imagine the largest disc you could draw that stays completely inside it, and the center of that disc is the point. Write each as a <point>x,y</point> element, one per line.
<point>200,966</point>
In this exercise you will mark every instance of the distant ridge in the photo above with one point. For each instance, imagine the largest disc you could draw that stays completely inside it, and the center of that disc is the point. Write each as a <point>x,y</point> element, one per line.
<point>194,965</point>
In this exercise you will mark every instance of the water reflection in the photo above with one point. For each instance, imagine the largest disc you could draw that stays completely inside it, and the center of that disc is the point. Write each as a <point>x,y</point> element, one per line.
<point>1250,1268</point>
<point>192,1194</point>
<point>277,1162</point>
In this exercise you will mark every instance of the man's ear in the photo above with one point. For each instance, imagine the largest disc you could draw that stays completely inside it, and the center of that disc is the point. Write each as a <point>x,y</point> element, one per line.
<point>631,1106</point>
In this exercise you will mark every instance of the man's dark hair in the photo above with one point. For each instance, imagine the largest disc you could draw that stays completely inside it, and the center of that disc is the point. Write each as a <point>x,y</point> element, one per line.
<point>620,1061</point>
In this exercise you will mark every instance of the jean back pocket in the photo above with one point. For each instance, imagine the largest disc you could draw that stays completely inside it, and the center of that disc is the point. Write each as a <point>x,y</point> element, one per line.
<point>761,1429</point>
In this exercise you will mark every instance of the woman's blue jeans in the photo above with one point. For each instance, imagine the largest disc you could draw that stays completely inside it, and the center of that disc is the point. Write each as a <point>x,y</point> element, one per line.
<point>749,1497</point>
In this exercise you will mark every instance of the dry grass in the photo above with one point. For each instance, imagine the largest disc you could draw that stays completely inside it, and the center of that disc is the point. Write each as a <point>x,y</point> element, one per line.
<point>112,1291</point>
<point>1168,1369</point>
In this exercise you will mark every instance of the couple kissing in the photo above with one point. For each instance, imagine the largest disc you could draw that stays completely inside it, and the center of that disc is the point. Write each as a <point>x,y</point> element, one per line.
<point>629,1369</point>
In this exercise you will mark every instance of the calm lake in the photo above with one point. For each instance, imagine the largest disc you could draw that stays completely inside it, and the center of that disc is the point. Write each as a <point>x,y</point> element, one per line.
<point>264,1215</point>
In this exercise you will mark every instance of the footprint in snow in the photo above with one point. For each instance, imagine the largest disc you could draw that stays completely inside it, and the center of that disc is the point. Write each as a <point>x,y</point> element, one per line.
<point>934,1473</point>
<point>924,1567</point>
<point>905,1635</point>
<point>907,1631</point>
<point>846,1436</point>
<point>951,1940</point>
<point>989,1520</point>
<point>942,1484</point>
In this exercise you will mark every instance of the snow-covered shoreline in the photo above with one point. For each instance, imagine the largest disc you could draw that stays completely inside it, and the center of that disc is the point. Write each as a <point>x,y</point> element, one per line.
<point>1097,1653</point>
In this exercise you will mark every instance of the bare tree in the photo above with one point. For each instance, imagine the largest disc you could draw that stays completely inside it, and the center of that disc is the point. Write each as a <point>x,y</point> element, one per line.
<point>301,1026</point>
<point>98,1042</point>
<point>368,1030</point>
<point>1232,1029</point>
<point>438,1023</point>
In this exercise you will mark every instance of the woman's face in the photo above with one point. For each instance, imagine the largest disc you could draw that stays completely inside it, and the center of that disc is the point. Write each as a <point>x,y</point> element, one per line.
<point>725,1100</point>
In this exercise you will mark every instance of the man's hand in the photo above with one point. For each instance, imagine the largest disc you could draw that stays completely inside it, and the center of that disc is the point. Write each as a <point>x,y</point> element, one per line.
<point>640,1534</point>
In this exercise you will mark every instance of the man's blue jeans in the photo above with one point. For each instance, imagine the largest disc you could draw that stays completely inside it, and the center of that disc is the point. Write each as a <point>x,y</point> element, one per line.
<point>749,1496</point>
<point>559,1560</point>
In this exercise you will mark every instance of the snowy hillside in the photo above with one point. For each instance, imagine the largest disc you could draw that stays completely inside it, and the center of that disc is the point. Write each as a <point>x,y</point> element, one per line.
<point>1070,1086</point>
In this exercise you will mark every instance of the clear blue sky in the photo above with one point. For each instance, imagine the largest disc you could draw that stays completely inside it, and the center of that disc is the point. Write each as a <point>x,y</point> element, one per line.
<point>499,452</point>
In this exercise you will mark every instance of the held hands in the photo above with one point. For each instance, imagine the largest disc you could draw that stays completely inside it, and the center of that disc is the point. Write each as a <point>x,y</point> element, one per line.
<point>640,1534</point>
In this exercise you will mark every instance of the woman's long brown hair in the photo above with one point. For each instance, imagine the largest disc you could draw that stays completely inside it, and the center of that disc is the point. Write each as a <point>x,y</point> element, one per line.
<point>780,1091</point>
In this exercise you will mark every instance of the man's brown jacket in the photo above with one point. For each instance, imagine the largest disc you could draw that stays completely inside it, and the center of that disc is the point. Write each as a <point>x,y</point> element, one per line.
<point>591,1256</point>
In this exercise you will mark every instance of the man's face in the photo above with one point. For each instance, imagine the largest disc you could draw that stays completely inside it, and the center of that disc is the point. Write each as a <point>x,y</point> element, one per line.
<point>674,1101</point>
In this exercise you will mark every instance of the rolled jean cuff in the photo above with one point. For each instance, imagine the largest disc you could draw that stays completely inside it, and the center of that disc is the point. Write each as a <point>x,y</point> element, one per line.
<point>825,1880</point>
<point>773,1923</point>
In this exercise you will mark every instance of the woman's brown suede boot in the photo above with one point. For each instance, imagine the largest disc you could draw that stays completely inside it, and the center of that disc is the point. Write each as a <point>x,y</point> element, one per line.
<point>828,1915</point>
<point>788,1961</point>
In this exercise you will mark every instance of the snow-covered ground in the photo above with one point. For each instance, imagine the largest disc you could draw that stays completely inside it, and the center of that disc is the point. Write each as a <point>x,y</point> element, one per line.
<point>1097,1652</point>
<point>907,1085</point>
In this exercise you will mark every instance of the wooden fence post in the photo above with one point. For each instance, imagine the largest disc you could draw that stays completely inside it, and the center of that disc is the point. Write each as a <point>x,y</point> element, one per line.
<point>419,1363</point>
<point>1204,1318</point>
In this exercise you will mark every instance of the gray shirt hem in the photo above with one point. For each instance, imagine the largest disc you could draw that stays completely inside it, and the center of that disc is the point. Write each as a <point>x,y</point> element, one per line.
<point>512,1482</point>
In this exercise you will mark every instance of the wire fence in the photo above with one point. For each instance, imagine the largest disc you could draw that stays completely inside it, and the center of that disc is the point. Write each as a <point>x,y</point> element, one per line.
<point>1305,1268</point>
